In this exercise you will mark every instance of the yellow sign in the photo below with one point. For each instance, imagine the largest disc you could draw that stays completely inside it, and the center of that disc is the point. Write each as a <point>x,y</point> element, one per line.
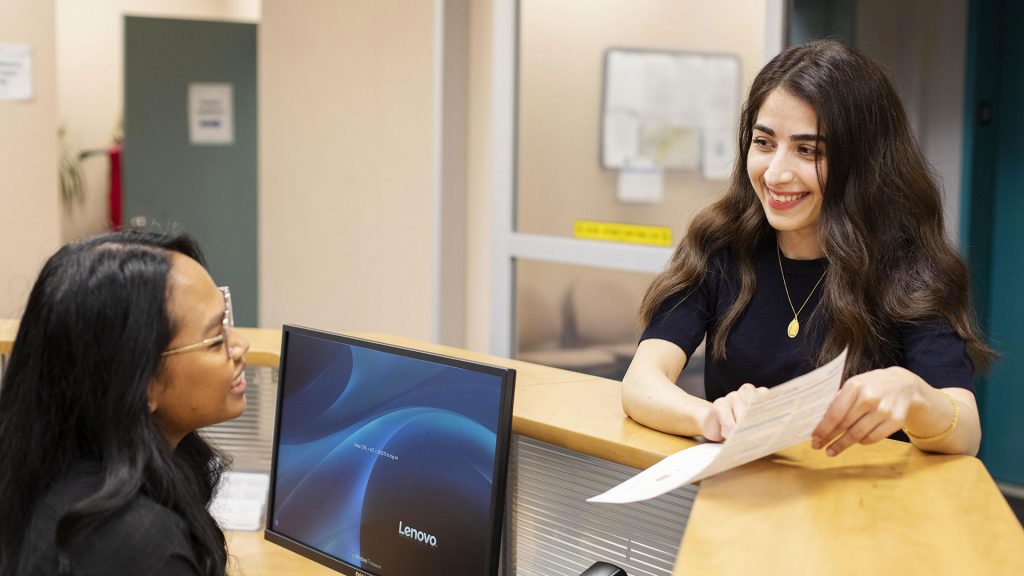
<point>629,233</point>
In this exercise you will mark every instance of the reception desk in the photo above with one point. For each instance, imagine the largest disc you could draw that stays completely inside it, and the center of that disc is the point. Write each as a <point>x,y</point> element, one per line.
<point>882,509</point>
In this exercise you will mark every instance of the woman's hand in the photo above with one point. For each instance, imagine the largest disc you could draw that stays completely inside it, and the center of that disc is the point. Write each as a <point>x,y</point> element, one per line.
<point>721,417</point>
<point>868,408</point>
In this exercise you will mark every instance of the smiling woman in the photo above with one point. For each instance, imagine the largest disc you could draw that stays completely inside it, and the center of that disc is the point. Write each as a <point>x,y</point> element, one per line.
<point>196,387</point>
<point>830,236</point>
<point>124,351</point>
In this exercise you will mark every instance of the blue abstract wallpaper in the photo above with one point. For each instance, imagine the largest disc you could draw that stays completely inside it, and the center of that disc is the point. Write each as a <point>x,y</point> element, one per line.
<point>384,461</point>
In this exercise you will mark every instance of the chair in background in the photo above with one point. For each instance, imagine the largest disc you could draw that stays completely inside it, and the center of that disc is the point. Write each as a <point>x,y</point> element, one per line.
<point>602,315</point>
<point>543,336</point>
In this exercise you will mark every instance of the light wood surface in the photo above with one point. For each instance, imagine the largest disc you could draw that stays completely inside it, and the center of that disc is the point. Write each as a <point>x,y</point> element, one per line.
<point>251,555</point>
<point>882,509</point>
<point>264,346</point>
<point>8,330</point>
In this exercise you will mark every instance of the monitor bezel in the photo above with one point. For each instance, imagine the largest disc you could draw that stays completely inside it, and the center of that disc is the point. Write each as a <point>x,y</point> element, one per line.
<point>501,453</point>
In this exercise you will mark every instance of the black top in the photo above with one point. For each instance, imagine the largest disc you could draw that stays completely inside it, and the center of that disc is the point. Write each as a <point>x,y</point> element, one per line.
<point>143,539</point>
<point>759,350</point>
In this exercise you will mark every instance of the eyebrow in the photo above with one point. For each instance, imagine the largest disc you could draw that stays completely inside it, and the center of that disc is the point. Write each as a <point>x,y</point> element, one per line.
<point>794,137</point>
<point>215,322</point>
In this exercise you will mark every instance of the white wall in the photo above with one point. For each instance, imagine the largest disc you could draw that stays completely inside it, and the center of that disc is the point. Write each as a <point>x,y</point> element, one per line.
<point>90,82</point>
<point>923,43</point>
<point>478,204</point>
<point>348,237</point>
<point>29,210</point>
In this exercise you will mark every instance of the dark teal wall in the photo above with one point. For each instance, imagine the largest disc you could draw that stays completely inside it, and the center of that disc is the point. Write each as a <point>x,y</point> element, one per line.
<point>207,191</point>
<point>993,222</point>
<point>811,19</point>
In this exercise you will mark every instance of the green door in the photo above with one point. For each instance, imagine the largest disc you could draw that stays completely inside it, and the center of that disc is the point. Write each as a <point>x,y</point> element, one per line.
<point>201,180</point>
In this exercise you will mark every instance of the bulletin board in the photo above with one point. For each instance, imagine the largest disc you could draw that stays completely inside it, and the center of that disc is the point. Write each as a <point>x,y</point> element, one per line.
<point>670,111</point>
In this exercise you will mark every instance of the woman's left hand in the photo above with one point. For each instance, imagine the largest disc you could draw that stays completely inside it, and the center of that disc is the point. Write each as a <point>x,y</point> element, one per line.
<point>868,408</point>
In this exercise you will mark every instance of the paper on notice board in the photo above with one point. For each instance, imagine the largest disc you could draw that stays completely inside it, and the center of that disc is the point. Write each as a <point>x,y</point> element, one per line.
<point>718,152</point>
<point>784,416</point>
<point>622,140</point>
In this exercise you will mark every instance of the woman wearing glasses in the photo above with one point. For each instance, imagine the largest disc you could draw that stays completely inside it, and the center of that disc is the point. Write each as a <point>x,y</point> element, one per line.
<point>125,349</point>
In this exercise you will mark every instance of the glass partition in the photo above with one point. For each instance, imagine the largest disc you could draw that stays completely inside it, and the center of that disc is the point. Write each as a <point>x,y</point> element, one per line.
<point>563,96</point>
<point>577,317</point>
<point>658,83</point>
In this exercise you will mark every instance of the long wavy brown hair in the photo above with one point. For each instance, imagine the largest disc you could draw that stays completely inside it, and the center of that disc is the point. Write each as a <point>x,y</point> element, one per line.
<point>881,225</point>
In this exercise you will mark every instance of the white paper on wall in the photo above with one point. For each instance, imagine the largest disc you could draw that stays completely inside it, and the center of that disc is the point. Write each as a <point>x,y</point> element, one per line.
<point>15,72</point>
<point>211,114</point>
<point>641,185</point>
<point>718,153</point>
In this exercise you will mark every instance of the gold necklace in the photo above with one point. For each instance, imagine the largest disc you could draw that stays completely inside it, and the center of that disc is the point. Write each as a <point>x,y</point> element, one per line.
<point>794,327</point>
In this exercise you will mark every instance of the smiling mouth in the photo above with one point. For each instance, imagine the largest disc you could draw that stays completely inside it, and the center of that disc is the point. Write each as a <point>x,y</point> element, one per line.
<point>785,198</point>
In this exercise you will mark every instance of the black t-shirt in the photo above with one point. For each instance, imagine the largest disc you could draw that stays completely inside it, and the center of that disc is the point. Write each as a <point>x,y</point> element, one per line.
<point>142,539</point>
<point>758,348</point>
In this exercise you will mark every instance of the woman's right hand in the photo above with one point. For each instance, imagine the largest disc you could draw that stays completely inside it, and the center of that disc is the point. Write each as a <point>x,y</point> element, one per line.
<point>720,419</point>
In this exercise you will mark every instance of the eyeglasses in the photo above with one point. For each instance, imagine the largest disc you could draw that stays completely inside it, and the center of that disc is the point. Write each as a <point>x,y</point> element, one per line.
<point>225,335</point>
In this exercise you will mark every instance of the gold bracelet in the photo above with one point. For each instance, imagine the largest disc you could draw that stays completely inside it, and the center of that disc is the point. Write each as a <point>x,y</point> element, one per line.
<point>944,433</point>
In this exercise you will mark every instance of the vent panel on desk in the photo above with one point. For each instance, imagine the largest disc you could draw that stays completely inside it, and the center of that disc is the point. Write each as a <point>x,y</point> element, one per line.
<point>554,531</point>
<point>248,438</point>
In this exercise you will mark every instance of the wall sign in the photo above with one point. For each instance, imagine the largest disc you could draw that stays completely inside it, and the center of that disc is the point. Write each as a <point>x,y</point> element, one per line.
<point>15,72</point>
<point>211,118</point>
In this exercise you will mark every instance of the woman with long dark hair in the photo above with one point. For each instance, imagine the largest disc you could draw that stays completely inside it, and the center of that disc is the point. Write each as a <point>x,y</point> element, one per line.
<point>830,235</point>
<point>125,349</point>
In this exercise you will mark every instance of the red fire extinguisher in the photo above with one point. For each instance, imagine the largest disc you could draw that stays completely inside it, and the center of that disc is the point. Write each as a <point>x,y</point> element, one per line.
<point>116,222</point>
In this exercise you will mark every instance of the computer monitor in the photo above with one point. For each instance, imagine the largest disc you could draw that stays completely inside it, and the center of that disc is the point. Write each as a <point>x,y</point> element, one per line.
<point>388,461</point>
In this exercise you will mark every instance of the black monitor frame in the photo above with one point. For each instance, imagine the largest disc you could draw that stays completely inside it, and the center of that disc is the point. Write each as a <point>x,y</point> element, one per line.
<point>501,453</point>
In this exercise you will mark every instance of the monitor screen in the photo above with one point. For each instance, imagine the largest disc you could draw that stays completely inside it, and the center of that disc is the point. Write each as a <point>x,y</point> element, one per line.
<point>388,461</point>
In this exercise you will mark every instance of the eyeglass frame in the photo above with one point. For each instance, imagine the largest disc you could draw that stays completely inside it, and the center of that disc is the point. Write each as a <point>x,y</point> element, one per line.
<point>228,323</point>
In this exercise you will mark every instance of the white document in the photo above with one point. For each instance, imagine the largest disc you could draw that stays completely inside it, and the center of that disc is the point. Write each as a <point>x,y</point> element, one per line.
<point>240,500</point>
<point>718,152</point>
<point>641,185</point>
<point>211,113</point>
<point>675,147</point>
<point>785,416</point>
<point>15,72</point>
<point>621,144</point>
<point>626,92</point>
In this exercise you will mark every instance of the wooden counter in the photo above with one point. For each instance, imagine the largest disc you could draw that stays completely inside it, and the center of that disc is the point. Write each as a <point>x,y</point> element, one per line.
<point>8,331</point>
<point>882,509</point>
<point>250,555</point>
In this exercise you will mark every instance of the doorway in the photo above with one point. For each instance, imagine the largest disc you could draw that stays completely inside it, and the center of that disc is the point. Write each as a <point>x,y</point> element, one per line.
<point>190,149</point>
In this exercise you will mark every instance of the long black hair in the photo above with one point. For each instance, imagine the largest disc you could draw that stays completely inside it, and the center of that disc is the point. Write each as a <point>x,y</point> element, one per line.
<point>881,228</point>
<point>75,390</point>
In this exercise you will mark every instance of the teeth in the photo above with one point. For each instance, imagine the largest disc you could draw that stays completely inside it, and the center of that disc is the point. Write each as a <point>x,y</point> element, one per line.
<point>785,197</point>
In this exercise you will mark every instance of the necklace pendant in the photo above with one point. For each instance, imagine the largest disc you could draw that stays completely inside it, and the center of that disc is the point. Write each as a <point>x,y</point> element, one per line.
<point>794,328</point>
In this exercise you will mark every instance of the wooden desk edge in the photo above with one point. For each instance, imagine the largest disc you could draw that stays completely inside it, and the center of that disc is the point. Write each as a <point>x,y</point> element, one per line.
<point>605,442</point>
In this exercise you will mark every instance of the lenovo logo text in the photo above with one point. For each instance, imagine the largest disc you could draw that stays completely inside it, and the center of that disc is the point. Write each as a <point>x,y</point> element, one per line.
<point>418,535</point>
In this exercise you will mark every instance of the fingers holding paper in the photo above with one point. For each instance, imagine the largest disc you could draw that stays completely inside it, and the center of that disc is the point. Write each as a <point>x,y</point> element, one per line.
<point>720,420</point>
<point>868,408</point>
